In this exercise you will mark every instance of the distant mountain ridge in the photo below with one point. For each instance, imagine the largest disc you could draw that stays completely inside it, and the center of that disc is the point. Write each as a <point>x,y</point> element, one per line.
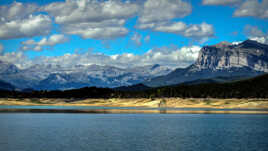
<point>51,77</point>
<point>248,88</point>
<point>6,86</point>
<point>247,59</point>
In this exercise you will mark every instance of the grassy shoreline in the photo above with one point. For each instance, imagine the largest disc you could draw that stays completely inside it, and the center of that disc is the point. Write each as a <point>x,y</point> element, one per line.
<point>143,102</point>
<point>202,105</point>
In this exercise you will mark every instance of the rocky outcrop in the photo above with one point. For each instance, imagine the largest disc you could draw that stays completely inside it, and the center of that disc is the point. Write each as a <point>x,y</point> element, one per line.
<point>225,55</point>
<point>247,59</point>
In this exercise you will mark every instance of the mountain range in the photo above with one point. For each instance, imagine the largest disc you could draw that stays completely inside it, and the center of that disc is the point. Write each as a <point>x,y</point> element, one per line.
<point>52,77</point>
<point>218,63</point>
<point>230,61</point>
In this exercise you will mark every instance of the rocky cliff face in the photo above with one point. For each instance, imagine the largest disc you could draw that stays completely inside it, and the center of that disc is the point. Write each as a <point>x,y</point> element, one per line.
<point>225,55</point>
<point>247,59</point>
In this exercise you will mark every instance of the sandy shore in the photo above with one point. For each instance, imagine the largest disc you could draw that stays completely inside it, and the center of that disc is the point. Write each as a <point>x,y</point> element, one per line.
<point>142,102</point>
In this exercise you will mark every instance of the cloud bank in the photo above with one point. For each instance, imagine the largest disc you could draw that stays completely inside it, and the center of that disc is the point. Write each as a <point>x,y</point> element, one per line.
<point>244,8</point>
<point>253,8</point>
<point>159,16</point>
<point>97,19</point>
<point>91,18</point>
<point>172,57</point>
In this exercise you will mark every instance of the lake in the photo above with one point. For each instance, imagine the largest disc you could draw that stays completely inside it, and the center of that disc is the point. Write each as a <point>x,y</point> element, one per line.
<point>133,132</point>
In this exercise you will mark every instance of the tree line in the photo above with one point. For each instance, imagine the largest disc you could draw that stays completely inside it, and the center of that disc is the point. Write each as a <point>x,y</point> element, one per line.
<point>252,88</point>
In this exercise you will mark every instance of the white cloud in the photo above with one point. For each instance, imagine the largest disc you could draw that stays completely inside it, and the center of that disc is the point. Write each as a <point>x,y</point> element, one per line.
<point>172,57</point>
<point>244,8</point>
<point>97,19</point>
<point>17,21</point>
<point>137,39</point>
<point>16,10</point>
<point>53,40</point>
<point>236,42</point>
<point>263,39</point>
<point>73,11</point>
<point>253,8</point>
<point>254,33</point>
<point>159,15</point>
<point>38,46</point>
<point>28,27</point>
<point>17,58</point>
<point>96,30</point>
<point>163,10</point>
<point>92,18</point>
<point>221,2</point>
<point>199,32</point>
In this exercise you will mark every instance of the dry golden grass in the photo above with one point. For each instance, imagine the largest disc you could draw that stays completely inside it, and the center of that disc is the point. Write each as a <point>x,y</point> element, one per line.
<point>143,102</point>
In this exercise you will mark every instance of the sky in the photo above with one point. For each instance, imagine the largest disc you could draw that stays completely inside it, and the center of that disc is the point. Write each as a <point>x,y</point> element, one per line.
<point>124,33</point>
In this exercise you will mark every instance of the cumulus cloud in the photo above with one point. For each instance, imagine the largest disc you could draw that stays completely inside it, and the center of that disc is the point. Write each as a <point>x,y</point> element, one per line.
<point>17,21</point>
<point>172,57</point>
<point>104,30</point>
<point>244,8</point>
<point>155,12</point>
<point>253,8</point>
<point>163,10</point>
<point>97,19</point>
<point>221,2</point>
<point>159,15</point>
<point>16,10</point>
<point>254,33</point>
<point>73,11</point>
<point>199,32</point>
<point>92,18</point>
<point>17,58</point>
<point>39,45</point>
<point>28,27</point>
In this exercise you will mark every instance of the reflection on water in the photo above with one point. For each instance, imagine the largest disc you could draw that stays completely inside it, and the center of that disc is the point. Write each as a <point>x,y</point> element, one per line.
<point>109,110</point>
<point>133,132</point>
<point>162,110</point>
<point>123,108</point>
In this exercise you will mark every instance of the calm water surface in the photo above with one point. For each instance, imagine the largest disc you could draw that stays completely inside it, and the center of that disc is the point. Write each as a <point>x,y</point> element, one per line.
<point>133,132</point>
<point>105,107</point>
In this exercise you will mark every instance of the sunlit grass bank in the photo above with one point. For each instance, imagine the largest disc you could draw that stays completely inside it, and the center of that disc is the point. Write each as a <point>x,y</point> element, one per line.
<point>143,102</point>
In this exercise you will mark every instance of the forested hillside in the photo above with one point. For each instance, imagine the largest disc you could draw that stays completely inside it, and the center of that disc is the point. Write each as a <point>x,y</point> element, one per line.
<point>251,88</point>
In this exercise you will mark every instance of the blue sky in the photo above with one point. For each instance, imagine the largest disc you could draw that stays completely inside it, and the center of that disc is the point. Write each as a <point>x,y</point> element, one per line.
<point>175,25</point>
